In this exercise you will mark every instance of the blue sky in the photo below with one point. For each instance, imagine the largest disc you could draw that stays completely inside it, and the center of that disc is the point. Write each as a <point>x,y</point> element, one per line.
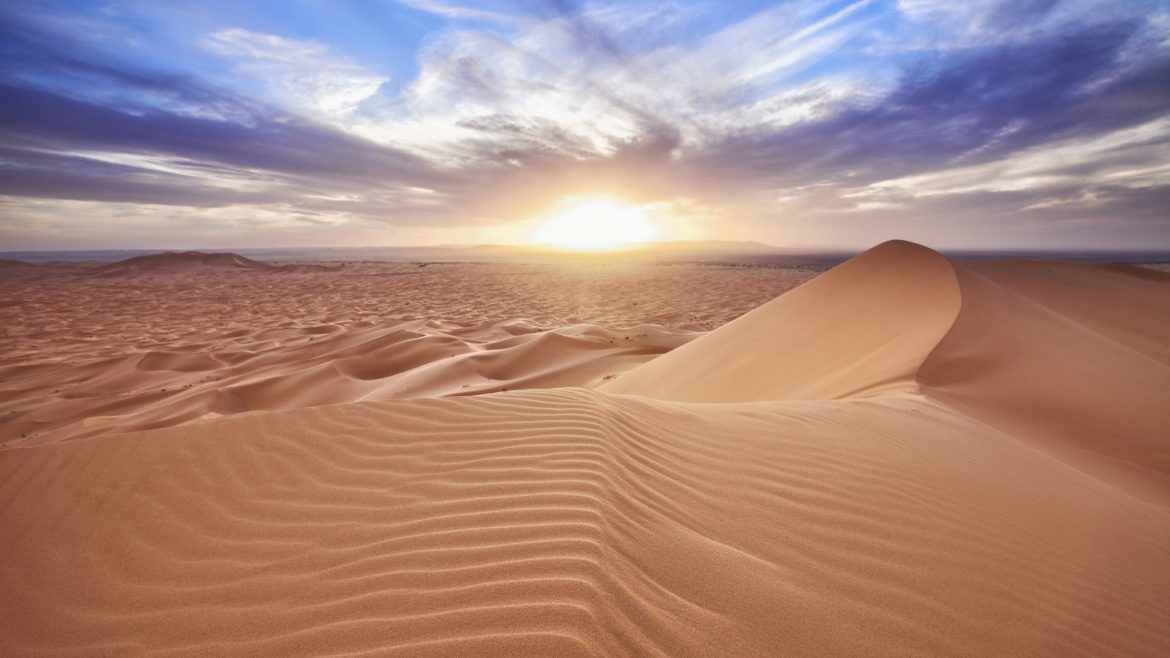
<point>1024,124</point>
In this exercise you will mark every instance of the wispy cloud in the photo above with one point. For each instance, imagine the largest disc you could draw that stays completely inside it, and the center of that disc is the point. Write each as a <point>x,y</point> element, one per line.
<point>302,74</point>
<point>1131,157</point>
<point>460,11</point>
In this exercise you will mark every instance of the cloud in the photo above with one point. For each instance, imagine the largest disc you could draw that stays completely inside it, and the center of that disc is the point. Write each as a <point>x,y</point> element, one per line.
<point>1130,157</point>
<point>850,111</point>
<point>459,11</point>
<point>268,140</point>
<point>960,109</point>
<point>60,176</point>
<point>304,74</point>
<point>41,57</point>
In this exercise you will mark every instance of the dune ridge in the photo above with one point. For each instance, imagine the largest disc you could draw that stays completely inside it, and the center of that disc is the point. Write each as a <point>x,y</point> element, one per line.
<point>1074,355</point>
<point>909,488</point>
<point>417,358</point>
<point>862,328</point>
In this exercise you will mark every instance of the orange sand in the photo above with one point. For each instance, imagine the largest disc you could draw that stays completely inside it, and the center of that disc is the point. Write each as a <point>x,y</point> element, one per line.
<point>904,456</point>
<point>161,340</point>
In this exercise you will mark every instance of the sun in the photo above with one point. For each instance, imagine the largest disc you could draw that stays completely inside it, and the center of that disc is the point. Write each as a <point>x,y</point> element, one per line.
<point>596,225</point>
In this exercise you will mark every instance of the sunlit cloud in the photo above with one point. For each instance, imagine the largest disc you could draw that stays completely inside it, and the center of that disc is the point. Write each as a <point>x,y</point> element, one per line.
<point>303,74</point>
<point>1133,157</point>
<point>788,123</point>
<point>459,11</point>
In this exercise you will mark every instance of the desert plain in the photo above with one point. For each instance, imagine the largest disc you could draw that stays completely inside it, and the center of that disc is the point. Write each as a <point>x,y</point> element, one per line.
<point>901,455</point>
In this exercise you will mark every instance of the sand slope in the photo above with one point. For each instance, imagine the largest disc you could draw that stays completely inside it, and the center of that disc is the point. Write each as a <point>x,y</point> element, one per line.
<point>1074,355</point>
<point>859,329</point>
<point>922,500</point>
<point>577,523</point>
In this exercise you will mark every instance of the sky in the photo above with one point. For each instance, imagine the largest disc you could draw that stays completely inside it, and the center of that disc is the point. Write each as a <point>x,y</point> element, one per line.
<point>804,124</point>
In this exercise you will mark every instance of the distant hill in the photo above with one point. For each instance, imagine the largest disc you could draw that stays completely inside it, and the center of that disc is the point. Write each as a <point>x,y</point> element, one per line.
<point>178,261</point>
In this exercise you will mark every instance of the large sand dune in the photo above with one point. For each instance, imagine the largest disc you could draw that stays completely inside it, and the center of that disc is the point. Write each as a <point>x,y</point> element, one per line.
<point>904,456</point>
<point>861,328</point>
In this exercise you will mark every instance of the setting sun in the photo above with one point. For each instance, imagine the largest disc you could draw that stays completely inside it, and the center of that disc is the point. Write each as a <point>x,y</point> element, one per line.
<point>596,225</point>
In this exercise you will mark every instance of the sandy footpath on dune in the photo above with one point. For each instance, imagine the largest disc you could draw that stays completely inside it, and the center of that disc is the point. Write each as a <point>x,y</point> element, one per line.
<point>903,456</point>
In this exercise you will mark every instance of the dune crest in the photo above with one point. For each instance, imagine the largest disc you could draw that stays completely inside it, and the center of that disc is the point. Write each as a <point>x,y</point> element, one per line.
<point>309,367</point>
<point>862,328</point>
<point>1075,356</point>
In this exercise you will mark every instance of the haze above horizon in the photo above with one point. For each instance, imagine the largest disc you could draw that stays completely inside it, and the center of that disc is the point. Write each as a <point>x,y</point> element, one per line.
<point>1042,124</point>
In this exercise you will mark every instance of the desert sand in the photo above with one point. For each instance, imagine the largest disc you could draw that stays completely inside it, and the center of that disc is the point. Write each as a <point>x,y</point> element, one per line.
<point>902,456</point>
<point>154,341</point>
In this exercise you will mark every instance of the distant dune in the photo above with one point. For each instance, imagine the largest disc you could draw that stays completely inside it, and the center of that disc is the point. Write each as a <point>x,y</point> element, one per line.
<point>177,261</point>
<point>903,456</point>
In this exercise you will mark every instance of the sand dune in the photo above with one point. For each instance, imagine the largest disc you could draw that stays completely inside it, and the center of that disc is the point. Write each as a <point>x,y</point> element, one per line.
<point>158,388</point>
<point>577,523</point>
<point>1074,355</point>
<point>85,356</point>
<point>177,261</point>
<point>861,328</point>
<point>904,456</point>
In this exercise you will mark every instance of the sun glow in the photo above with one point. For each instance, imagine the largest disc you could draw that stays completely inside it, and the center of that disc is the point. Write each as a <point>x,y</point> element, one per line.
<point>596,225</point>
